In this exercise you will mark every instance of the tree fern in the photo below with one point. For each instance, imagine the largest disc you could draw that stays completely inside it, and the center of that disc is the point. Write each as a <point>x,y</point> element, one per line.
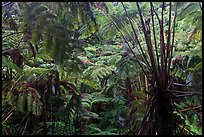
<point>54,33</point>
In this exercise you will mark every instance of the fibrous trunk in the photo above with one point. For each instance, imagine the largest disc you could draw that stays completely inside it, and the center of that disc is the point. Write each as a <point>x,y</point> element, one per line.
<point>164,111</point>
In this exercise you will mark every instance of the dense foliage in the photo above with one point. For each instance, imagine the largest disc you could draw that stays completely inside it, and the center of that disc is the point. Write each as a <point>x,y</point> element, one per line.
<point>101,68</point>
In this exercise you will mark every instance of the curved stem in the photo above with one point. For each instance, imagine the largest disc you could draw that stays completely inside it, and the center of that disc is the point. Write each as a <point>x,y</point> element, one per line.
<point>149,47</point>
<point>172,44</point>
<point>155,41</point>
<point>136,36</point>
<point>130,49</point>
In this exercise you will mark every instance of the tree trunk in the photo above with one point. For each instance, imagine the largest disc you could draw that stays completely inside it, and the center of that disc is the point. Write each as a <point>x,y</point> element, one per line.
<point>164,114</point>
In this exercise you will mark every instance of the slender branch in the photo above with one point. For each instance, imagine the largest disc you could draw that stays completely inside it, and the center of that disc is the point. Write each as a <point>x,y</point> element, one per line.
<point>182,85</point>
<point>182,92</point>
<point>143,56</point>
<point>164,78</point>
<point>168,42</point>
<point>183,110</point>
<point>161,47</point>
<point>172,45</point>
<point>161,42</point>
<point>155,41</point>
<point>185,95</point>
<point>162,28</point>
<point>149,47</point>
<point>136,36</point>
<point>182,100</point>
<point>7,115</point>
<point>131,49</point>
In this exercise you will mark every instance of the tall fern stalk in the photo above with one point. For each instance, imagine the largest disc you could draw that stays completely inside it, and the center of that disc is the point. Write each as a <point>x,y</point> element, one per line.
<point>158,118</point>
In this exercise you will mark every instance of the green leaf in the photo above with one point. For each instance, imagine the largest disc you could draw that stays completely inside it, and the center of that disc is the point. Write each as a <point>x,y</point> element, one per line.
<point>22,102</point>
<point>198,67</point>
<point>10,98</point>
<point>8,63</point>
<point>34,104</point>
<point>29,102</point>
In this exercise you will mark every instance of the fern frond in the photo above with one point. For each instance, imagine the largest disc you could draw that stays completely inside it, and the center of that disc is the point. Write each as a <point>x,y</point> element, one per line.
<point>137,110</point>
<point>55,49</point>
<point>10,98</point>
<point>29,102</point>
<point>34,104</point>
<point>29,71</point>
<point>47,42</point>
<point>8,63</point>
<point>186,9</point>
<point>37,10</point>
<point>98,71</point>
<point>36,36</point>
<point>90,82</point>
<point>38,107</point>
<point>127,66</point>
<point>22,102</point>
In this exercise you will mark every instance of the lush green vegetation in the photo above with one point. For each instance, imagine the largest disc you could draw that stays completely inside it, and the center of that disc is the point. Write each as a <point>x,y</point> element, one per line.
<point>101,68</point>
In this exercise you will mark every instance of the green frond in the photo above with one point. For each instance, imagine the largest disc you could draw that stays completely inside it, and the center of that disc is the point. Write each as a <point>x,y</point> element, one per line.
<point>126,66</point>
<point>30,101</point>
<point>55,49</point>
<point>187,8</point>
<point>62,29</point>
<point>47,42</point>
<point>137,110</point>
<point>114,59</point>
<point>98,97</point>
<point>10,98</point>
<point>36,36</point>
<point>39,106</point>
<point>90,82</point>
<point>33,70</point>
<point>38,10</point>
<point>22,102</point>
<point>7,20</point>
<point>98,71</point>
<point>44,20</point>
<point>34,104</point>
<point>8,63</point>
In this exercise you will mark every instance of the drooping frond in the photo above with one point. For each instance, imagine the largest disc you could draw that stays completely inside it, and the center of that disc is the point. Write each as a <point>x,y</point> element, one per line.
<point>98,72</point>
<point>25,98</point>
<point>57,33</point>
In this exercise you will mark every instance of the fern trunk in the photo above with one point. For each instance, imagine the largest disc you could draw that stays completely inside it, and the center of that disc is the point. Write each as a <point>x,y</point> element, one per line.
<point>164,110</point>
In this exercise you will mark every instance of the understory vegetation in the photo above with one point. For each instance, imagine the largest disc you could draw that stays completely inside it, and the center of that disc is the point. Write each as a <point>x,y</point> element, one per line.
<point>101,68</point>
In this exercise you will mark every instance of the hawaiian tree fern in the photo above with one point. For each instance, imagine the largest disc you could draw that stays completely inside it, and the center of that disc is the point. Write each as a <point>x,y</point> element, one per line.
<point>54,34</point>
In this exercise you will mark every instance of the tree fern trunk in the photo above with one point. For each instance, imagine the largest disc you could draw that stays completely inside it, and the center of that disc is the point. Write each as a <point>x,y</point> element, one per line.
<point>128,90</point>
<point>164,114</point>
